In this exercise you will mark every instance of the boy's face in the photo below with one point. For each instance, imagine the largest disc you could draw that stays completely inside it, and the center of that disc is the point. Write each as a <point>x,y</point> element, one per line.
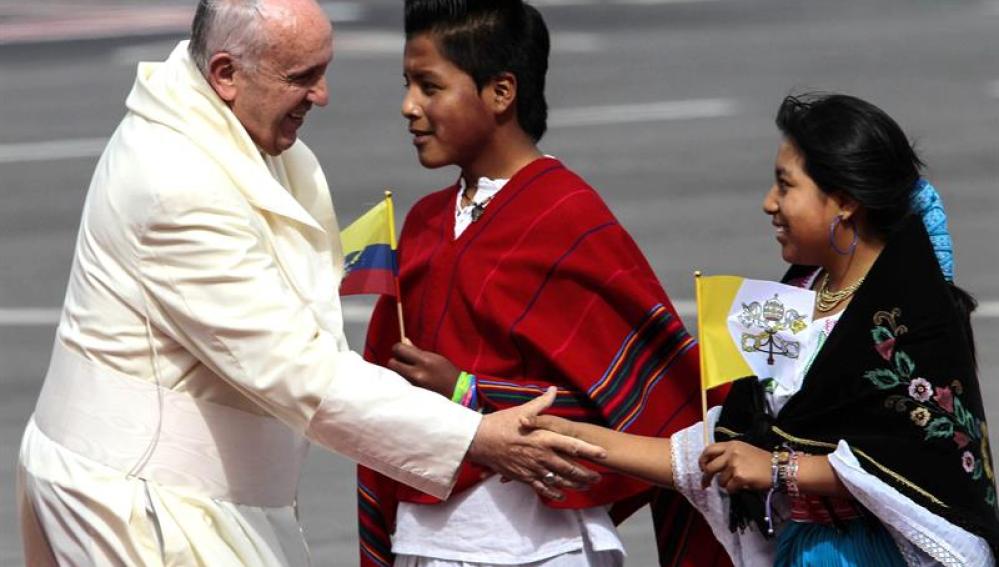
<point>451,121</point>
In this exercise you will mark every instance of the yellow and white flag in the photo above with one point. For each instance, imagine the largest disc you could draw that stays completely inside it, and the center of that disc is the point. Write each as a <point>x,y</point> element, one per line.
<point>750,327</point>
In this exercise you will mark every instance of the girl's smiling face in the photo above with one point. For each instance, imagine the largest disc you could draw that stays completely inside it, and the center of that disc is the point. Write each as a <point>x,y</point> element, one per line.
<point>800,212</point>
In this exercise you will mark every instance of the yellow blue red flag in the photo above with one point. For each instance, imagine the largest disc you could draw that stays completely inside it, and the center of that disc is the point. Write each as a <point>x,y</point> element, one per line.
<point>369,252</point>
<point>750,328</point>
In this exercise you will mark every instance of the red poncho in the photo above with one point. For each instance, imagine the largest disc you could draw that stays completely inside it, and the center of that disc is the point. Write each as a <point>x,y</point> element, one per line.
<point>545,289</point>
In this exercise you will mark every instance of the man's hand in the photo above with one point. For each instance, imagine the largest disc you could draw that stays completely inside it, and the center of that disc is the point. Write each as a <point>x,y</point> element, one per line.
<point>739,466</point>
<point>551,423</point>
<point>424,368</point>
<point>540,458</point>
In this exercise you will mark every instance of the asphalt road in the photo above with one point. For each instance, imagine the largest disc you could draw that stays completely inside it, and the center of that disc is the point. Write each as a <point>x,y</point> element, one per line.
<point>665,105</point>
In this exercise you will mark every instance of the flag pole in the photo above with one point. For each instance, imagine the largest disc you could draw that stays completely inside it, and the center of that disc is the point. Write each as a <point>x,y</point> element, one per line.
<point>395,267</point>
<point>700,351</point>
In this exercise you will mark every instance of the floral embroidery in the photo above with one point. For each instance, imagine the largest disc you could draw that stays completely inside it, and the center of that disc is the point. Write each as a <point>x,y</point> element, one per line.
<point>920,416</point>
<point>944,398</point>
<point>960,438</point>
<point>920,389</point>
<point>968,461</point>
<point>938,411</point>
<point>885,348</point>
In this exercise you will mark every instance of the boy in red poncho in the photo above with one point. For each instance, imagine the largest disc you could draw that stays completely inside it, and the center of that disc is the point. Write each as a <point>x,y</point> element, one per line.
<point>519,276</point>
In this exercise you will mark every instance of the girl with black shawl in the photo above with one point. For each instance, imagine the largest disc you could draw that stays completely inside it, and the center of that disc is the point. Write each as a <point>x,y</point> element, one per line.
<point>876,451</point>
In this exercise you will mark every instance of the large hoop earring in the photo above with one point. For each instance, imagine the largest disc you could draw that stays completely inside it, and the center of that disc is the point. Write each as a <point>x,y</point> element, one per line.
<point>832,237</point>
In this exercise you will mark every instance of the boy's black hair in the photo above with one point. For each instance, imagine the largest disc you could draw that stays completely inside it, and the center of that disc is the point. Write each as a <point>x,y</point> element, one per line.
<point>487,37</point>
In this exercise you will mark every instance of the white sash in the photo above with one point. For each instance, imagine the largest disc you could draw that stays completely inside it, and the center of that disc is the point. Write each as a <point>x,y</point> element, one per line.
<point>168,437</point>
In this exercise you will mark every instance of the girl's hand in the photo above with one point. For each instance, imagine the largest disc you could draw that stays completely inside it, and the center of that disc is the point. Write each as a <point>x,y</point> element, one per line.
<point>738,465</point>
<point>551,423</point>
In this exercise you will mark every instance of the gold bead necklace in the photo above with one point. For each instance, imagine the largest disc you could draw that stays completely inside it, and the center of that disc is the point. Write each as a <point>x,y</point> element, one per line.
<point>827,300</point>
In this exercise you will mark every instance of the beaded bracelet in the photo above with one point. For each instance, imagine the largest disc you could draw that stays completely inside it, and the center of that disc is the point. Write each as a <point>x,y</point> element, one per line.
<point>791,475</point>
<point>787,472</point>
<point>778,460</point>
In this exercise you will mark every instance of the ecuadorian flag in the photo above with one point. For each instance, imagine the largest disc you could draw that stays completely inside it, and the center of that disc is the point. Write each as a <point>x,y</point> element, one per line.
<point>369,252</point>
<point>750,328</point>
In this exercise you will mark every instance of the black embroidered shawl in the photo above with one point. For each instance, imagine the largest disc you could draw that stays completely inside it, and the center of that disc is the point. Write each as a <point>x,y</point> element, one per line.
<point>896,379</point>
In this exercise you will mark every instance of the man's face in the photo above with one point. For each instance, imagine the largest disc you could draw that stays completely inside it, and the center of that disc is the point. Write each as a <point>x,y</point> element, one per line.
<point>290,77</point>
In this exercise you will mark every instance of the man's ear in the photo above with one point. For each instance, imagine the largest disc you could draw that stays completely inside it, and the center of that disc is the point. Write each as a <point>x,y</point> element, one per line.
<point>501,92</point>
<point>222,76</point>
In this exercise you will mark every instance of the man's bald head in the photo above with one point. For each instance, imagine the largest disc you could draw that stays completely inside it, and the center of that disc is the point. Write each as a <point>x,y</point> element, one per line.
<point>243,28</point>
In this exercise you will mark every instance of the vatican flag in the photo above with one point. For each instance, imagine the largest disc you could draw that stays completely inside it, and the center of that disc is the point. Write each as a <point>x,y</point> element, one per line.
<point>750,328</point>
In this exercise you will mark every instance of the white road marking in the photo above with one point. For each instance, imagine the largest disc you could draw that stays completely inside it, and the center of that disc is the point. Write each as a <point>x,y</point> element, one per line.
<point>29,317</point>
<point>358,313</point>
<point>95,23</point>
<point>366,43</point>
<point>339,12</point>
<point>52,150</point>
<point>356,44</point>
<point>57,23</point>
<point>642,112</point>
<point>151,51</point>
<point>360,44</point>
<point>578,42</point>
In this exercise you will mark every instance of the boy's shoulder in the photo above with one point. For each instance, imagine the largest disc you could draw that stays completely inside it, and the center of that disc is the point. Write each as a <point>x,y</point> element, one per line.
<point>564,188</point>
<point>566,179</point>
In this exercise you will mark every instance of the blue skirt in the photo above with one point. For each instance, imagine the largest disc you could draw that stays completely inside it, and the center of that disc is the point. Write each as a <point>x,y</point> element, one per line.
<point>861,542</point>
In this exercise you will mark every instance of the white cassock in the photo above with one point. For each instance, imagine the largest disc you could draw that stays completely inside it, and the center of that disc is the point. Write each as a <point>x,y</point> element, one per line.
<point>201,342</point>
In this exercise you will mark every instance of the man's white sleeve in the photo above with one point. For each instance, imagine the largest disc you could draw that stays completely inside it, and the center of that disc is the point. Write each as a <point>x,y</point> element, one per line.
<point>214,286</point>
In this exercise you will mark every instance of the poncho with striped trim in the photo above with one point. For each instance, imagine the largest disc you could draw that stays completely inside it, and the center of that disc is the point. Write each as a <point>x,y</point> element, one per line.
<point>547,288</point>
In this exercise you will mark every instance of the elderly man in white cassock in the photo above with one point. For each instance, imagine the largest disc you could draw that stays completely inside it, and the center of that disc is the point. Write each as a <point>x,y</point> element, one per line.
<point>201,340</point>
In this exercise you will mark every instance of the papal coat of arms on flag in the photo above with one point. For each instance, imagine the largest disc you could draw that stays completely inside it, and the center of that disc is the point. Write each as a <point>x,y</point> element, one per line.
<point>750,327</point>
<point>769,319</point>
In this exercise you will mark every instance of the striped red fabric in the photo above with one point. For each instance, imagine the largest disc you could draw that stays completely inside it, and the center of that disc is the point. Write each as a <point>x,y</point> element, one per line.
<point>823,510</point>
<point>545,289</point>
